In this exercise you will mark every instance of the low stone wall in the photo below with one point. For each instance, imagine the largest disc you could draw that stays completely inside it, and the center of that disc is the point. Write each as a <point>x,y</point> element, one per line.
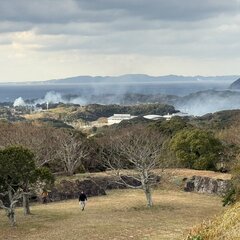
<point>206,185</point>
<point>97,186</point>
<point>70,189</point>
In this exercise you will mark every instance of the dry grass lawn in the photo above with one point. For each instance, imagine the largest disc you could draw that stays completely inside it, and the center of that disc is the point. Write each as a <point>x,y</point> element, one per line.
<point>119,215</point>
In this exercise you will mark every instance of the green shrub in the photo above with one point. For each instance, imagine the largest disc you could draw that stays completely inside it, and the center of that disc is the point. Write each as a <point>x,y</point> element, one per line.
<point>197,149</point>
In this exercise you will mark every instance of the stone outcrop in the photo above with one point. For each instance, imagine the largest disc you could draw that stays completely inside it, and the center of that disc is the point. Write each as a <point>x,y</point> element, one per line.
<point>206,185</point>
<point>97,186</point>
<point>70,189</point>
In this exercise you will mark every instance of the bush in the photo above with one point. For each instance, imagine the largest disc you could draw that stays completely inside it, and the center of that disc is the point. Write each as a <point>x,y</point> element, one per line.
<point>233,194</point>
<point>225,226</point>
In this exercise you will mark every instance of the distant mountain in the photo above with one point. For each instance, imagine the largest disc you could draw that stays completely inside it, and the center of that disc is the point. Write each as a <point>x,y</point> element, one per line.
<point>135,78</point>
<point>235,85</point>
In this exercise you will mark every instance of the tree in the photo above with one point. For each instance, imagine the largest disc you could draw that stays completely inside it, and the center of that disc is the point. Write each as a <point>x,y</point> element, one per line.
<point>197,149</point>
<point>46,143</point>
<point>14,197</point>
<point>137,149</point>
<point>16,164</point>
<point>172,126</point>
<point>233,194</point>
<point>232,137</point>
<point>73,149</point>
<point>41,140</point>
<point>18,174</point>
<point>37,179</point>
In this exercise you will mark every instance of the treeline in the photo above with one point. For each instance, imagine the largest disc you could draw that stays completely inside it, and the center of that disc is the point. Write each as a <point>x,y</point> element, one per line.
<point>92,112</point>
<point>59,149</point>
<point>188,143</point>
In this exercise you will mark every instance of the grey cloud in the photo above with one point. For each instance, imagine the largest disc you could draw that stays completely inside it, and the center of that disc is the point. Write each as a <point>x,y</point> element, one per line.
<point>198,42</point>
<point>35,11</point>
<point>183,10</point>
<point>50,11</point>
<point>98,17</point>
<point>63,11</point>
<point>8,27</point>
<point>147,27</point>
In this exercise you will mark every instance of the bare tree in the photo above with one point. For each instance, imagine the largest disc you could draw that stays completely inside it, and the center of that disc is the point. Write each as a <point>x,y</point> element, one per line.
<point>73,149</point>
<point>59,149</point>
<point>137,149</point>
<point>42,140</point>
<point>231,134</point>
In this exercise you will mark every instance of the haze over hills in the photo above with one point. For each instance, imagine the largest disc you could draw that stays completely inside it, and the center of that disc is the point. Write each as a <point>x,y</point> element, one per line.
<point>195,95</point>
<point>132,78</point>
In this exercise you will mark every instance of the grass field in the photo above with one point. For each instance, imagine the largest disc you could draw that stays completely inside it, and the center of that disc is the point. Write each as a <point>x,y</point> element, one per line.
<point>119,215</point>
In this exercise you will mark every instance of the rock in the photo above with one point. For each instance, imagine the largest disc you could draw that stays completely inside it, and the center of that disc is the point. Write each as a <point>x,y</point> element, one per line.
<point>96,186</point>
<point>70,190</point>
<point>207,185</point>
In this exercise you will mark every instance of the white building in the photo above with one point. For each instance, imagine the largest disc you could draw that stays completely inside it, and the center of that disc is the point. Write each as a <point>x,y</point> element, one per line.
<point>117,118</point>
<point>167,116</point>
<point>153,117</point>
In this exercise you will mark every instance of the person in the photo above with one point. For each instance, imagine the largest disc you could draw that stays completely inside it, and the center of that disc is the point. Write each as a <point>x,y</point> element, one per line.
<point>44,196</point>
<point>82,200</point>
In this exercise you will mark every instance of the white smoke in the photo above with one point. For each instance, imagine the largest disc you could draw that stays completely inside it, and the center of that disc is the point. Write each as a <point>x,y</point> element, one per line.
<point>78,100</point>
<point>50,97</point>
<point>55,97</point>
<point>197,104</point>
<point>208,102</point>
<point>19,102</point>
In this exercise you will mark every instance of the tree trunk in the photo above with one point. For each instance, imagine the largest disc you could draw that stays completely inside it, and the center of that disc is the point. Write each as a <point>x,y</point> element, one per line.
<point>148,193</point>
<point>146,187</point>
<point>11,216</point>
<point>10,213</point>
<point>26,206</point>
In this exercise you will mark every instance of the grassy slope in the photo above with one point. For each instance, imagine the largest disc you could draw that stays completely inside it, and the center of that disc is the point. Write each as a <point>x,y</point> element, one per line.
<point>119,215</point>
<point>224,227</point>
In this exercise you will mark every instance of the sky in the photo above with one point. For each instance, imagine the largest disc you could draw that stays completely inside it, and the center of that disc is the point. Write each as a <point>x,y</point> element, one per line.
<point>51,39</point>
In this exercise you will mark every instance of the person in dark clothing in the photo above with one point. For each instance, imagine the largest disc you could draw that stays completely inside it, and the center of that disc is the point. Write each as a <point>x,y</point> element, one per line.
<point>82,200</point>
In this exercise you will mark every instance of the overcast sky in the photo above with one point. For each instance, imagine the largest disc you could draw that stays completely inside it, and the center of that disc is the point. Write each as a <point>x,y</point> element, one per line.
<point>46,39</point>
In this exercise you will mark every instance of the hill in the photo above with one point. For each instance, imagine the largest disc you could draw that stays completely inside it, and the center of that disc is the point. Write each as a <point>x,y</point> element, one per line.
<point>218,120</point>
<point>92,112</point>
<point>236,84</point>
<point>128,78</point>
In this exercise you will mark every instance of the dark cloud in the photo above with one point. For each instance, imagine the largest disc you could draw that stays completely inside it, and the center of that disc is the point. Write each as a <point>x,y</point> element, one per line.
<point>34,11</point>
<point>178,10</point>
<point>64,11</point>
<point>163,28</point>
